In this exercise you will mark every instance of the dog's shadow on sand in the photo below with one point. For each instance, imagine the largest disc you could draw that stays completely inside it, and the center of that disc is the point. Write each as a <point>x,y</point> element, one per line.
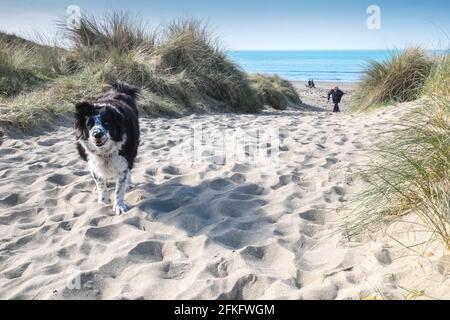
<point>229,211</point>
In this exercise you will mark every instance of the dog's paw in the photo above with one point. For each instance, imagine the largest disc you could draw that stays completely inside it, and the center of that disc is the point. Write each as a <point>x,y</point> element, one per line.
<point>120,208</point>
<point>103,201</point>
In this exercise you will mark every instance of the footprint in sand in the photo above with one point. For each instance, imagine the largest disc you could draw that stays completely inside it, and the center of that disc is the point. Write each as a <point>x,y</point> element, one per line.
<point>330,161</point>
<point>9,199</point>
<point>220,184</point>
<point>235,231</point>
<point>60,179</point>
<point>148,251</point>
<point>48,142</point>
<point>336,193</point>
<point>313,215</point>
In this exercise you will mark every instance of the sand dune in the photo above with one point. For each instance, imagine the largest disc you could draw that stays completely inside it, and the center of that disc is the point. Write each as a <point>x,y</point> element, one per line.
<point>203,230</point>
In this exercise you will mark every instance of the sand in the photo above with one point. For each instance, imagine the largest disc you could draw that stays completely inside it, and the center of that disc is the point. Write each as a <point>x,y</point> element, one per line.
<point>206,229</point>
<point>317,97</point>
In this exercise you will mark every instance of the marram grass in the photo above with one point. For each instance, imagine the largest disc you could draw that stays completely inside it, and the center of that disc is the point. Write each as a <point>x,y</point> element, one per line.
<point>411,171</point>
<point>50,101</point>
<point>400,78</point>
<point>275,92</point>
<point>181,68</point>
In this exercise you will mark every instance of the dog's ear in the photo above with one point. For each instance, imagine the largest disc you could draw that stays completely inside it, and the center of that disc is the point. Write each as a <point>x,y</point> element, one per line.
<point>116,131</point>
<point>83,110</point>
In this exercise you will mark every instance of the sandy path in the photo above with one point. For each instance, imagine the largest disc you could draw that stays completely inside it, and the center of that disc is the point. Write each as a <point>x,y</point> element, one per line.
<point>202,230</point>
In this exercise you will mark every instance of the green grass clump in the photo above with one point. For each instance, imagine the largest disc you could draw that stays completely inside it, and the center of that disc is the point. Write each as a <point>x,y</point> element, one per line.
<point>53,100</point>
<point>25,65</point>
<point>411,173</point>
<point>400,78</point>
<point>188,46</point>
<point>181,69</point>
<point>18,69</point>
<point>438,82</point>
<point>114,34</point>
<point>275,92</point>
<point>183,64</point>
<point>14,76</point>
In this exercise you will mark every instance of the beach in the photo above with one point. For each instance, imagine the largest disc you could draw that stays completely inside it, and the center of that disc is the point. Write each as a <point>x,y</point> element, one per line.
<point>160,151</point>
<point>318,96</point>
<point>327,85</point>
<point>211,229</point>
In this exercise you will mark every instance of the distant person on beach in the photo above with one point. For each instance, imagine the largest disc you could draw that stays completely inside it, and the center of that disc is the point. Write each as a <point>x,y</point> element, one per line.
<point>336,94</point>
<point>311,84</point>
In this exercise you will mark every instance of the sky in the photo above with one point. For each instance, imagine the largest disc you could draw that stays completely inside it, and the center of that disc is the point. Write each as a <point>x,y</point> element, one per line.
<point>263,24</point>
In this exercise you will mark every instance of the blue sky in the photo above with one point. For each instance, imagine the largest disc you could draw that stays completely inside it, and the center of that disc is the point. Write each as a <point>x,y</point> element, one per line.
<point>264,24</point>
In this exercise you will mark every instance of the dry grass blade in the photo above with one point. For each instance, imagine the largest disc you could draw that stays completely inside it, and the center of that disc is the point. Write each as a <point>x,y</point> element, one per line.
<point>398,79</point>
<point>181,69</point>
<point>412,171</point>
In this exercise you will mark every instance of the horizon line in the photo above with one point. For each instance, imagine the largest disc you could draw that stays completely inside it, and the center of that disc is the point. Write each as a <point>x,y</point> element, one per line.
<point>293,50</point>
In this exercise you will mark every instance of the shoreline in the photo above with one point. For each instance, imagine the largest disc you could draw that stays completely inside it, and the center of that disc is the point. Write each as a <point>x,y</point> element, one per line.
<point>346,85</point>
<point>317,97</point>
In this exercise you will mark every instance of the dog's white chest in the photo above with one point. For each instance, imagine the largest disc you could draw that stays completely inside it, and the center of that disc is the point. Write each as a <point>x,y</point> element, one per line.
<point>108,166</point>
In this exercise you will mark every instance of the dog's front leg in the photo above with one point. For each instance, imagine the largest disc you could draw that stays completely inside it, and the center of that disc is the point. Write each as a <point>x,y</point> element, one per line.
<point>121,187</point>
<point>102,189</point>
<point>130,184</point>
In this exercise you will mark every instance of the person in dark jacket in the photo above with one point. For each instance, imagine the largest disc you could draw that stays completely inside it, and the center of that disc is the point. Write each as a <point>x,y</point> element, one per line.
<point>336,94</point>
<point>310,84</point>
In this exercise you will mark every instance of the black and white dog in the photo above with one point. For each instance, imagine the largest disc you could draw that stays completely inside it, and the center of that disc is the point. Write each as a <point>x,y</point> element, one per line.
<point>107,132</point>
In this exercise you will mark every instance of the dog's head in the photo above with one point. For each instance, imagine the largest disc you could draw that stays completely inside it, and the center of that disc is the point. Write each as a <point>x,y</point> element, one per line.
<point>99,125</point>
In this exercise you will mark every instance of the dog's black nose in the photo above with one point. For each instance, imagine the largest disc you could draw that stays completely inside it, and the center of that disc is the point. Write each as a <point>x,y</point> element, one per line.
<point>98,134</point>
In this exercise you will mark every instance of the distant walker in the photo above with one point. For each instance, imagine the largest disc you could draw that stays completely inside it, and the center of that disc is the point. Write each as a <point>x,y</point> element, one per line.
<point>337,94</point>
<point>310,84</point>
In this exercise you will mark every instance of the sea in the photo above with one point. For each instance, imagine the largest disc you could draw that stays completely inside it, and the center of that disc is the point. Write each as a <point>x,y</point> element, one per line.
<point>338,66</point>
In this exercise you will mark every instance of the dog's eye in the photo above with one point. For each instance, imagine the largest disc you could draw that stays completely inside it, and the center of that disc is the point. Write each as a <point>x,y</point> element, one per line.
<point>90,122</point>
<point>105,123</point>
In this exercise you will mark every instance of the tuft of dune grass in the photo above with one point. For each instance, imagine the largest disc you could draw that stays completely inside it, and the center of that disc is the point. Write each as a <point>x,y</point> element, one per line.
<point>275,92</point>
<point>189,46</point>
<point>411,173</point>
<point>15,76</point>
<point>116,32</point>
<point>50,101</point>
<point>24,65</point>
<point>181,68</point>
<point>438,82</point>
<point>400,78</point>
